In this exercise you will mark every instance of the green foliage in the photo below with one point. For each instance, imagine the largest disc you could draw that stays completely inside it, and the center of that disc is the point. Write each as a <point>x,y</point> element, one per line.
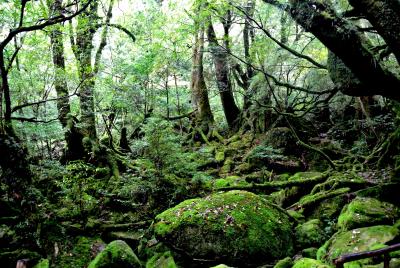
<point>162,146</point>
<point>79,188</point>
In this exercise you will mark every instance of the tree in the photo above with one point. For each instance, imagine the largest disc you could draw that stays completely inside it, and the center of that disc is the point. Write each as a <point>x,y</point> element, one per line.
<point>73,137</point>
<point>348,42</point>
<point>204,117</point>
<point>220,54</point>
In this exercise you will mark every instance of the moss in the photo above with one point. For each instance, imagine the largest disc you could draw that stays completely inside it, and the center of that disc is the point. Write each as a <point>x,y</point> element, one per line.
<point>305,175</point>
<point>230,181</point>
<point>309,263</point>
<point>313,200</point>
<point>328,210</point>
<point>44,263</point>
<point>310,234</point>
<point>220,156</point>
<point>161,260</point>
<point>79,254</point>
<point>229,227</point>
<point>363,211</point>
<point>296,215</point>
<point>227,167</point>
<point>117,254</point>
<point>284,263</point>
<point>357,240</point>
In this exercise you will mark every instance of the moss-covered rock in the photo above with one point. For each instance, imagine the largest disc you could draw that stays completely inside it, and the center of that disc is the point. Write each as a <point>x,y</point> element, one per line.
<point>284,263</point>
<point>232,228</point>
<point>117,254</point>
<point>161,260</point>
<point>310,263</point>
<point>310,234</point>
<point>328,210</point>
<point>364,211</point>
<point>230,181</point>
<point>357,240</point>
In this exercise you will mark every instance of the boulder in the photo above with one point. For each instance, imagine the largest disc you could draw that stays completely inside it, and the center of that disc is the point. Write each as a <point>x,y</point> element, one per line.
<point>117,254</point>
<point>235,227</point>
<point>357,240</point>
<point>310,234</point>
<point>364,211</point>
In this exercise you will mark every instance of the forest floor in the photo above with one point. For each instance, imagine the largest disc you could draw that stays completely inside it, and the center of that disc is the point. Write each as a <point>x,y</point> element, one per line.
<point>245,204</point>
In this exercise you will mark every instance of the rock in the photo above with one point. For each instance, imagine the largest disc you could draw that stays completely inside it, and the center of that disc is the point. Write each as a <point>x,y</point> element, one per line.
<point>117,254</point>
<point>43,263</point>
<point>285,263</point>
<point>161,260</point>
<point>310,234</point>
<point>364,211</point>
<point>357,240</point>
<point>221,266</point>
<point>310,263</point>
<point>230,181</point>
<point>232,228</point>
<point>329,209</point>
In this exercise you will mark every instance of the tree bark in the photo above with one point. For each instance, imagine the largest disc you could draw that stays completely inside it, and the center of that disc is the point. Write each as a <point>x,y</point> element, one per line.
<point>86,29</point>
<point>220,57</point>
<point>384,15</point>
<point>204,117</point>
<point>73,138</point>
<point>344,39</point>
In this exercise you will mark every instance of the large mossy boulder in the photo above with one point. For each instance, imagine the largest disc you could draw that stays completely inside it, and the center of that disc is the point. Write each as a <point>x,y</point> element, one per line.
<point>310,234</point>
<point>235,227</point>
<point>364,211</point>
<point>117,254</point>
<point>357,240</point>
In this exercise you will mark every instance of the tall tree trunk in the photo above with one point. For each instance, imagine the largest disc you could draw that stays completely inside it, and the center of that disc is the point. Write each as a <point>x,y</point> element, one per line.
<point>82,47</point>
<point>72,135</point>
<point>220,57</point>
<point>204,116</point>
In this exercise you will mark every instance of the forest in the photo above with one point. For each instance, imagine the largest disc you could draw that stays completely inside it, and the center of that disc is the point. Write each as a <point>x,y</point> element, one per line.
<point>199,133</point>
